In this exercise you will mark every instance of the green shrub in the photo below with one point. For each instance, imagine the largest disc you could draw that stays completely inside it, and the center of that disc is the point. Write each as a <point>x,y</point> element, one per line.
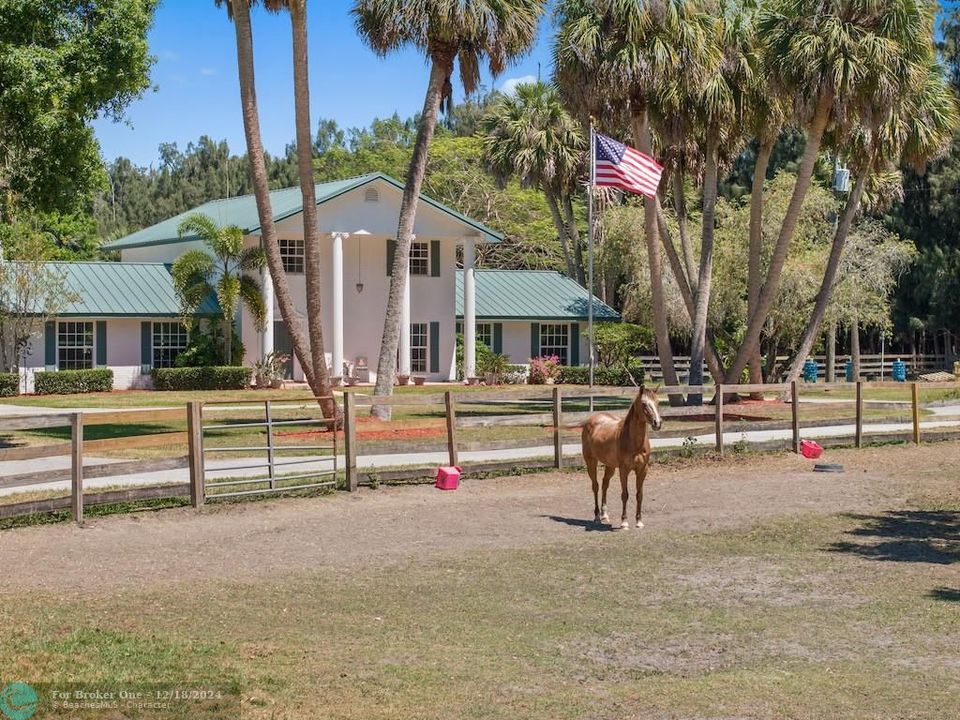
<point>618,343</point>
<point>9,384</point>
<point>202,378</point>
<point>68,382</point>
<point>205,348</point>
<point>483,356</point>
<point>604,375</point>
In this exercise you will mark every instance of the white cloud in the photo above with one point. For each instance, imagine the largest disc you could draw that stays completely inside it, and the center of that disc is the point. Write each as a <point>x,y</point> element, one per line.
<point>509,86</point>
<point>207,72</point>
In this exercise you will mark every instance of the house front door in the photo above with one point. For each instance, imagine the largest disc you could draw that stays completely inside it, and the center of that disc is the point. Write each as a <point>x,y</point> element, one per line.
<point>283,346</point>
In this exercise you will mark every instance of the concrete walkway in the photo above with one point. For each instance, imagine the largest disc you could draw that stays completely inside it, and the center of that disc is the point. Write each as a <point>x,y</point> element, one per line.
<point>236,467</point>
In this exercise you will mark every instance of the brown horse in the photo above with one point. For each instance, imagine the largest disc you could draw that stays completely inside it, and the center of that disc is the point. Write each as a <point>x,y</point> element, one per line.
<point>622,445</point>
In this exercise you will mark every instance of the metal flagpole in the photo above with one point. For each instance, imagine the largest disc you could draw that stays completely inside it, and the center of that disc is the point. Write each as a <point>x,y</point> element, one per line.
<point>590,190</point>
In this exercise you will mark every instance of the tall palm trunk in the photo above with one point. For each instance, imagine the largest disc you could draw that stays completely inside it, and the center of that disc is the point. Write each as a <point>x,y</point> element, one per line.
<point>831,351</point>
<point>686,294</point>
<point>680,207</point>
<point>755,250</point>
<point>561,227</point>
<point>641,131</point>
<point>574,234</point>
<point>227,329</point>
<point>441,68</point>
<point>261,186</point>
<point>311,233</point>
<point>768,293</point>
<point>705,277</point>
<point>829,277</point>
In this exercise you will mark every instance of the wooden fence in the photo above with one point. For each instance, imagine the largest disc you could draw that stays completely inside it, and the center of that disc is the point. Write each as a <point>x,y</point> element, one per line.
<point>558,411</point>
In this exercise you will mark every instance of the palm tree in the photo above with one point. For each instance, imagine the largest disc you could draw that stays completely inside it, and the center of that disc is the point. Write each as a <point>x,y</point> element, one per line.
<point>447,32</point>
<point>531,135</point>
<point>315,374</point>
<point>197,274</point>
<point>919,129</point>
<point>623,53</point>
<point>840,62</point>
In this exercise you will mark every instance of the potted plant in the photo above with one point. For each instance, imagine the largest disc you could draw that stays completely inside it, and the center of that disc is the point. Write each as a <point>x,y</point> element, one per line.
<point>419,379</point>
<point>270,371</point>
<point>403,380</point>
<point>495,367</point>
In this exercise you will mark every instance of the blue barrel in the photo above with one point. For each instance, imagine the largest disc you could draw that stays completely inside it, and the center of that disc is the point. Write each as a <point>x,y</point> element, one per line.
<point>849,370</point>
<point>810,371</point>
<point>899,370</point>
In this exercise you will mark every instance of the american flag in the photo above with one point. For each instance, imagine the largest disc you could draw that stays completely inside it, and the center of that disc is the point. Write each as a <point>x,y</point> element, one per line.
<point>616,165</point>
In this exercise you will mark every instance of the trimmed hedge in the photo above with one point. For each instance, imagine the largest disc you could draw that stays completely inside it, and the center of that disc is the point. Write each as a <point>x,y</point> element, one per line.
<point>69,382</point>
<point>602,375</point>
<point>9,384</point>
<point>202,378</point>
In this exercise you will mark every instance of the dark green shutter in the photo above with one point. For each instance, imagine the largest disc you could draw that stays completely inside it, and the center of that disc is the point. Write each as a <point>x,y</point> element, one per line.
<point>459,327</point>
<point>101,343</point>
<point>146,346</point>
<point>498,338</point>
<point>534,340</point>
<point>434,347</point>
<point>50,345</point>
<point>435,258</point>
<point>391,254</point>
<point>574,344</point>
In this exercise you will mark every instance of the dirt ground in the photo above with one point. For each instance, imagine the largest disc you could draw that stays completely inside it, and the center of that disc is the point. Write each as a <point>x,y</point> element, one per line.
<point>384,525</point>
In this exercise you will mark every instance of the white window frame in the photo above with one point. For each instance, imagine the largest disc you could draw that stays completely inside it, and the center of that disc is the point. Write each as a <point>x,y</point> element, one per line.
<point>419,344</point>
<point>297,258</point>
<point>420,258</point>
<point>554,332</point>
<point>181,334</point>
<point>87,363</point>
<point>484,333</point>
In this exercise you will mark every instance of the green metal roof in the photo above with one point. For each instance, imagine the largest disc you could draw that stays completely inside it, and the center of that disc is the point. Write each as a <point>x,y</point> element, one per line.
<point>242,212</point>
<point>112,289</point>
<point>531,295</point>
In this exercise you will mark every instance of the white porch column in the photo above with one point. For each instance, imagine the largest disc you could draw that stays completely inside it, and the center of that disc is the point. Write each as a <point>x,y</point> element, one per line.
<point>403,367</point>
<point>266,337</point>
<point>337,354</point>
<point>469,311</point>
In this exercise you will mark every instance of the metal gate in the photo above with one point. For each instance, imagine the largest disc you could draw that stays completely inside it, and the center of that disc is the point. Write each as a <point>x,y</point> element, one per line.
<point>254,432</point>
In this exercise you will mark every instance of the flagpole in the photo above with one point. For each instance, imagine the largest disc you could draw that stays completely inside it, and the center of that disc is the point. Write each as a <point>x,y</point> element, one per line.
<point>590,233</point>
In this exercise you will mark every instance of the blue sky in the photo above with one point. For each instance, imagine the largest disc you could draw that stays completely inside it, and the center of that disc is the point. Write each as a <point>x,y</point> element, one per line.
<point>196,91</point>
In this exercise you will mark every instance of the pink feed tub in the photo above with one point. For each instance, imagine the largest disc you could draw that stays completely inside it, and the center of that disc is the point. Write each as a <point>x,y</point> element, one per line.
<point>448,477</point>
<point>810,449</point>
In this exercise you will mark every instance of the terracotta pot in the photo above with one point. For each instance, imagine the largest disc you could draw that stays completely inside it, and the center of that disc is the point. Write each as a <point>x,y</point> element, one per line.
<point>278,383</point>
<point>419,380</point>
<point>403,380</point>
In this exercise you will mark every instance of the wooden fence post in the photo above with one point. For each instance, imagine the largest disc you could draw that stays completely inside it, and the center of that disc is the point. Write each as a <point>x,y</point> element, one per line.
<point>195,445</point>
<point>915,397</point>
<point>719,419</point>
<point>350,439</point>
<point>795,414</point>
<point>451,427</point>
<point>76,467</point>
<point>557,433</point>
<point>858,437</point>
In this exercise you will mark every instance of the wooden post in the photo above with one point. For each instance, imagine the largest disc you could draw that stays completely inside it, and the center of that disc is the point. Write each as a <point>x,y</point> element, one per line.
<point>451,427</point>
<point>915,397</point>
<point>858,441</point>
<point>350,439</point>
<point>268,416</point>
<point>76,467</point>
<point>795,413</point>
<point>195,444</point>
<point>719,419</point>
<point>557,432</point>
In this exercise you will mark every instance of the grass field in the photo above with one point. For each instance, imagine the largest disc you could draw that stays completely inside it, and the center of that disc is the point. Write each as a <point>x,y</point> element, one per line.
<point>757,590</point>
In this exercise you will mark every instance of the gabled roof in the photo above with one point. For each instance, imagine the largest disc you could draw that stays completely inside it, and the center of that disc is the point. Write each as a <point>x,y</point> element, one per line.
<point>531,295</point>
<point>242,212</point>
<point>113,289</point>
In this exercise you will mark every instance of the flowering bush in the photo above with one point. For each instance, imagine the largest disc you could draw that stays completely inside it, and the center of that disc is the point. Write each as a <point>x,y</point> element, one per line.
<point>544,370</point>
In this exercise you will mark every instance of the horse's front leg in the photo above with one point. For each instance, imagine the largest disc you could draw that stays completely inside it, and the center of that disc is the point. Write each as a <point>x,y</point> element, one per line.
<point>641,473</point>
<point>607,474</point>
<point>624,495</point>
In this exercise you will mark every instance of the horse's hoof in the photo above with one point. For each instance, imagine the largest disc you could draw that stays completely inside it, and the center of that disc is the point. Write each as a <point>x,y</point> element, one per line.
<point>604,518</point>
<point>624,525</point>
<point>639,524</point>
<point>598,518</point>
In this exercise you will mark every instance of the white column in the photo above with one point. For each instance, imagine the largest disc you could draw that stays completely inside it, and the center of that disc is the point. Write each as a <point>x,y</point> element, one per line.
<point>469,311</point>
<point>266,337</point>
<point>337,354</point>
<point>404,366</point>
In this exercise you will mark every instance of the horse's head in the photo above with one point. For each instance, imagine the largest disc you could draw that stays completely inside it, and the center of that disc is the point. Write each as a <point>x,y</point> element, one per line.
<point>646,401</point>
